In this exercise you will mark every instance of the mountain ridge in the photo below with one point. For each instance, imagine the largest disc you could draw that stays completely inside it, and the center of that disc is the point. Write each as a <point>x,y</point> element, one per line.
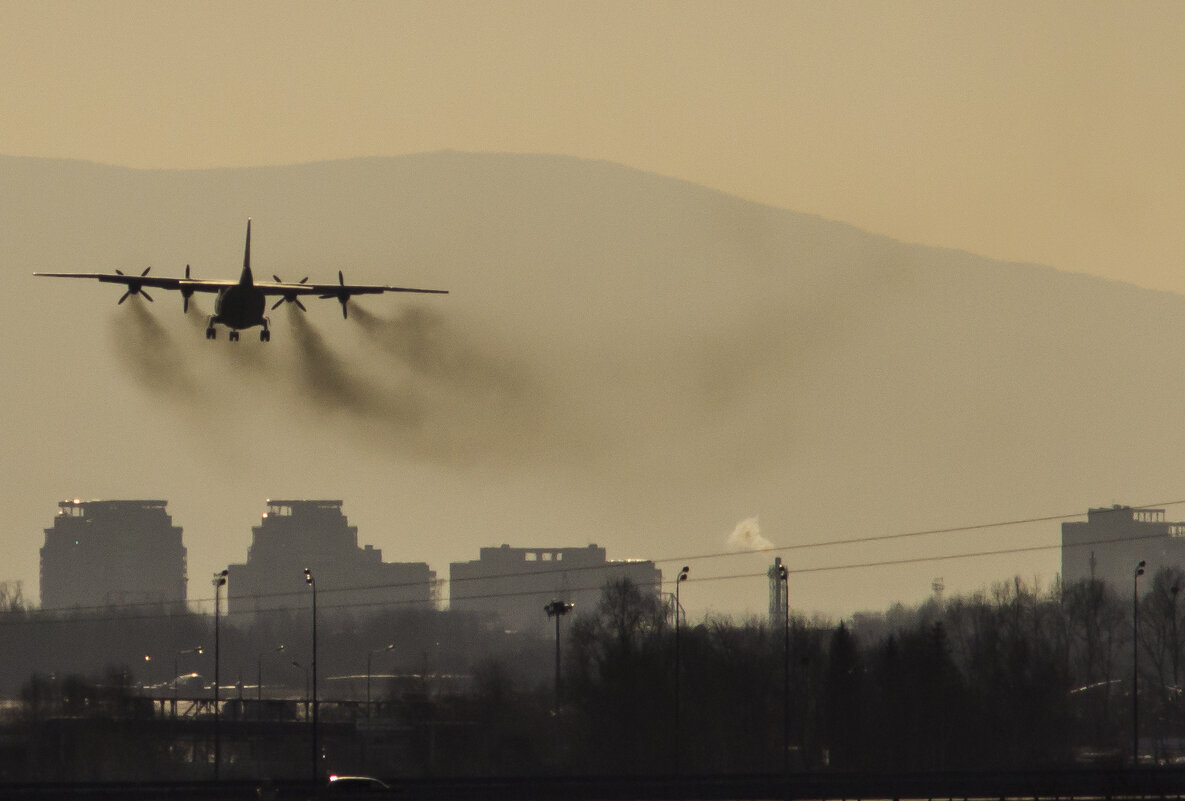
<point>624,357</point>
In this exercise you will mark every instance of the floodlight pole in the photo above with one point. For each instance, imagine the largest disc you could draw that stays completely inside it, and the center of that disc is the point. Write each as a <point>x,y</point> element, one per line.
<point>557,609</point>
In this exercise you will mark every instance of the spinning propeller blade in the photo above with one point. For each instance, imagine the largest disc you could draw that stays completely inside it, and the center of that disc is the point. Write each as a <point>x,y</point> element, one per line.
<point>291,298</point>
<point>134,287</point>
<point>185,294</point>
<point>342,295</point>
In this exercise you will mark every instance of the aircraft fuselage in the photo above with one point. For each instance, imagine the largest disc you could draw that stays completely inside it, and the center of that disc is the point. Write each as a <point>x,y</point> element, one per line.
<point>239,307</point>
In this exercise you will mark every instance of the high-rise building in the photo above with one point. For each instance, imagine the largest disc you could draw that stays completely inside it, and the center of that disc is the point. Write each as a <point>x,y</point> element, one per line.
<point>101,553</point>
<point>1114,540</point>
<point>294,535</point>
<point>513,585</point>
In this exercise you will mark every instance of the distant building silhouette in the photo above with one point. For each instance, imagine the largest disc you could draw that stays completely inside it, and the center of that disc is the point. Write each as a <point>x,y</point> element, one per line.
<point>100,553</point>
<point>512,585</point>
<point>1113,540</point>
<point>314,534</point>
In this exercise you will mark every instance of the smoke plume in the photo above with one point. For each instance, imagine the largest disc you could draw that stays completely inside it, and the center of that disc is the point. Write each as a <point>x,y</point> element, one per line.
<point>747,537</point>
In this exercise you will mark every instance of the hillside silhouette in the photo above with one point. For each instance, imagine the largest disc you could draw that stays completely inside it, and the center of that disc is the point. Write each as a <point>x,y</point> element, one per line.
<point>624,358</point>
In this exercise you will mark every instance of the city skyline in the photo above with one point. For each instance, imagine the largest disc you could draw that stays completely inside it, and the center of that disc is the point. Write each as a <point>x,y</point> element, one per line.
<point>1119,533</point>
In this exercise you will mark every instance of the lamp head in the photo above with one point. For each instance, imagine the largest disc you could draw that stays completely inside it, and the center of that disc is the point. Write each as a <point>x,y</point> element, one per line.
<point>308,576</point>
<point>683,573</point>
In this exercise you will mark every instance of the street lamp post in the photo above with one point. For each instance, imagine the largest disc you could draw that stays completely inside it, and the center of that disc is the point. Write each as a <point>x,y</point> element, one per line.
<point>259,677</point>
<point>557,609</point>
<point>176,671</point>
<point>1136,664</point>
<point>678,708</point>
<point>219,582</point>
<point>368,657</point>
<point>312,582</point>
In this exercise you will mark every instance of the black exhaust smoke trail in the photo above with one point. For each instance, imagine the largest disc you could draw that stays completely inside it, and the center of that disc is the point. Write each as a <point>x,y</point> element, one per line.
<point>334,387</point>
<point>421,340</point>
<point>148,350</point>
<point>484,402</point>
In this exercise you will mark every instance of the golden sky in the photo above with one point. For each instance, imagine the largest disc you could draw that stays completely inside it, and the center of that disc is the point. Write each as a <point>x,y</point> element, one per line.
<point>1046,132</point>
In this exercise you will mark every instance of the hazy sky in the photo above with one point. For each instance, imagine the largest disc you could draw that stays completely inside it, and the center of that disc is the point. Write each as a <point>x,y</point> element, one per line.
<point>1049,133</point>
<point>1045,132</point>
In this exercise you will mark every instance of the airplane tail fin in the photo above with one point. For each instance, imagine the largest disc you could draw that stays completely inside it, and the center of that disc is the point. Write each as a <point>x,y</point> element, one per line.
<point>247,278</point>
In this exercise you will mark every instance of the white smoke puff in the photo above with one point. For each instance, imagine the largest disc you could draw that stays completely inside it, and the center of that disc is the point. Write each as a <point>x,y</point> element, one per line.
<point>747,537</point>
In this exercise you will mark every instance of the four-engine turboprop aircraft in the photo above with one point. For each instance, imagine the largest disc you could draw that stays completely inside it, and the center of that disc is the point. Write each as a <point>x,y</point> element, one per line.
<point>241,304</point>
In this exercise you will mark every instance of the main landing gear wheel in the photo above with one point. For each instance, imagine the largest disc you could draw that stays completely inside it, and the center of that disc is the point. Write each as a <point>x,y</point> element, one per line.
<point>211,333</point>
<point>234,335</point>
<point>265,336</point>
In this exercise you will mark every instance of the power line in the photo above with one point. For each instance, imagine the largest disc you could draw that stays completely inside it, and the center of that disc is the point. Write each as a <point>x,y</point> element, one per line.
<point>908,534</point>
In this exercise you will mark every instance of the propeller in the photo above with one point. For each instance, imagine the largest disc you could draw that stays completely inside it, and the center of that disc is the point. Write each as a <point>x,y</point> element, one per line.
<point>186,294</point>
<point>134,287</point>
<point>342,295</point>
<point>290,297</point>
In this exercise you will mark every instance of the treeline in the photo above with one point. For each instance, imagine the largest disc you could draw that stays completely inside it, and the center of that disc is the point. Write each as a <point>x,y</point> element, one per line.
<point>1017,677</point>
<point>1014,677</point>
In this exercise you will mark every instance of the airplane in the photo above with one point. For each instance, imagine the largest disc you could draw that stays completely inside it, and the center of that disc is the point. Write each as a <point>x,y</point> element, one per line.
<point>241,304</point>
